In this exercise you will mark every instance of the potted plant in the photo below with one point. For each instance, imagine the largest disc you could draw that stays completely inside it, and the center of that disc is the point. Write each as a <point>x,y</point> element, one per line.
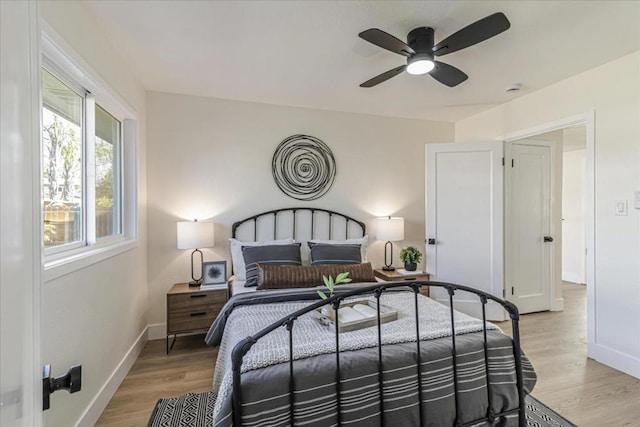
<point>330,283</point>
<point>411,256</point>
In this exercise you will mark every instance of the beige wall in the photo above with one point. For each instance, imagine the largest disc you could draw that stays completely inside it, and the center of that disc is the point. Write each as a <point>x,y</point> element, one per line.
<point>211,158</point>
<point>93,316</point>
<point>613,91</point>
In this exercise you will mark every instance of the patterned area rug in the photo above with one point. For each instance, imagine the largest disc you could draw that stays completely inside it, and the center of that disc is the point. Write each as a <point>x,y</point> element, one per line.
<point>196,410</point>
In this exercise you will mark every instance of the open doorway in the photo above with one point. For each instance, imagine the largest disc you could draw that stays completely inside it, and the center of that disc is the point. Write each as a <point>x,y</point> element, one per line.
<point>545,212</point>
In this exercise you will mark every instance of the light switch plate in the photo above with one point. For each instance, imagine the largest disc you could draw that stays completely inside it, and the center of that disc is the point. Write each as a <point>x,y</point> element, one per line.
<point>636,199</point>
<point>621,207</point>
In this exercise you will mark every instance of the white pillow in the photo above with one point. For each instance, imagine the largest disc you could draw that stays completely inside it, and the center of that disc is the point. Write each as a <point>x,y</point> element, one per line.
<point>362,241</point>
<point>239,269</point>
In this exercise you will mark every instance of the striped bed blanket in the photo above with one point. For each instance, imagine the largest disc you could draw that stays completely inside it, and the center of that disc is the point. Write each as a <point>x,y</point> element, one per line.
<point>265,368</point>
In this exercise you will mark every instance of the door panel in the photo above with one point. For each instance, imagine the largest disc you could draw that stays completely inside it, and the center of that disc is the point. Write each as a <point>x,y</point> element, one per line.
<point>465,218</point>
<point>528,255</point>
<point>20,375</point>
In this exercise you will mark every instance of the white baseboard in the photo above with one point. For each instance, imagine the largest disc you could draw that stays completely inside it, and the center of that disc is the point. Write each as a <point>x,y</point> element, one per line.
<point>91,415</point>
<point>558,304</point>
<point>157,331</point>
<point>572,277</point>
<point>615,359</point>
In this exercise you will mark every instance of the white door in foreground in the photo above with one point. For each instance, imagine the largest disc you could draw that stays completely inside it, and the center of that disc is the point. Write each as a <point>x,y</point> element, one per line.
<point>20,372</point>
<point>529,240</point>
<point>465,221</point>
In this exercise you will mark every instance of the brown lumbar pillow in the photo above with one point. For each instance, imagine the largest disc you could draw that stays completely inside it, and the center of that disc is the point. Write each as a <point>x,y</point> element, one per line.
<point>307,276</point>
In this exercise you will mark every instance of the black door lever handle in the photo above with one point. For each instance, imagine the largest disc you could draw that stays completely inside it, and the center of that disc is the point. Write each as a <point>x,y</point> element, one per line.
<point>71,381</point>
<point>548,239</point>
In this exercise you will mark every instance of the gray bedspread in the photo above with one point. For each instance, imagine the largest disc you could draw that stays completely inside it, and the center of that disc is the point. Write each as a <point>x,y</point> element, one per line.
<point>265,368</point>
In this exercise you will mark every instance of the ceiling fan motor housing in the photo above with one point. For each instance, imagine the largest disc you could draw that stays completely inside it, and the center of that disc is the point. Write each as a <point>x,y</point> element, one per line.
<point>421,40</point>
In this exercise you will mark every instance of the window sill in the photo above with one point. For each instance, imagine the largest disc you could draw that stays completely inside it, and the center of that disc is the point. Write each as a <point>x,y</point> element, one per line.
<point>62,266</point>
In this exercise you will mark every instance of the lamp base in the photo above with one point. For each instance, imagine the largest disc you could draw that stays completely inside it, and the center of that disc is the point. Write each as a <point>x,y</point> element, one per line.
<point>388,268</point>
<point>194,283</point>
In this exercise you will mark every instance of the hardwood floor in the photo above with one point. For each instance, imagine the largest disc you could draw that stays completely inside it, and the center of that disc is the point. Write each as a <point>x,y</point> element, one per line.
<point>586,392</point>
<point>188,368</point>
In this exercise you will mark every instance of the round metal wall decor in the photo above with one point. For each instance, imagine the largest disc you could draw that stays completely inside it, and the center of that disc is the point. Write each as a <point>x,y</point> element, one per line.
<point>303,167</point>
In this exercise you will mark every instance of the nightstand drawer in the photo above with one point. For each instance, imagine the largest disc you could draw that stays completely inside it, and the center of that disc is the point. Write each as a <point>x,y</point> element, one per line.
<point>192,321</point>
<point>193,301</point>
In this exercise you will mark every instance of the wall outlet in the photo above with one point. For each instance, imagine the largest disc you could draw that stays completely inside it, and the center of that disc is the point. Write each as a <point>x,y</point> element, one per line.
<point>621,207</point>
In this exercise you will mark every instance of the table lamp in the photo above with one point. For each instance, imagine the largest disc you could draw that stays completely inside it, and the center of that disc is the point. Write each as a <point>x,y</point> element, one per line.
<point>194,235</point>
<point>390,229</point>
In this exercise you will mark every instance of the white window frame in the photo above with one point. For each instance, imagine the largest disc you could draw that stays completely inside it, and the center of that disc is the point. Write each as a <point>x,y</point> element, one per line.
<point>66,64</point>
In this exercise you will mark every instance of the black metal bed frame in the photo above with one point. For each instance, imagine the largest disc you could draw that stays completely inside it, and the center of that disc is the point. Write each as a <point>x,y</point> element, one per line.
<point>243,347</point>
<point>294,211</point>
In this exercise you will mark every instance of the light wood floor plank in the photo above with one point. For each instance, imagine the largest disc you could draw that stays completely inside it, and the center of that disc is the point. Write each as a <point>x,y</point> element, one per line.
<point>586,392</point>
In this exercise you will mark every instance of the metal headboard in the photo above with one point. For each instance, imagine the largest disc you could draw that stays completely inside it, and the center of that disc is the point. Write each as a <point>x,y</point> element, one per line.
<point>349,223</point>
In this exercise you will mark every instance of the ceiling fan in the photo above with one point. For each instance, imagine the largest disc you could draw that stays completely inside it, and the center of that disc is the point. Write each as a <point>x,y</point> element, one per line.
<point>420,50</point>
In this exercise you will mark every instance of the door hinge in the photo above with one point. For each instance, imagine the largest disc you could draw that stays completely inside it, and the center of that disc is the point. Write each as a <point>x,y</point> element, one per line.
<point>504,293</point>
<point>503,161</point>
<point>513,162</point>
<point>512,290</point>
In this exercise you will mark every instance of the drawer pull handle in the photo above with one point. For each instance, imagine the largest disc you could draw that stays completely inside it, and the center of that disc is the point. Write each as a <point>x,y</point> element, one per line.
<point>410,278</point>
<point>200,313</point>
<point>198,296</point>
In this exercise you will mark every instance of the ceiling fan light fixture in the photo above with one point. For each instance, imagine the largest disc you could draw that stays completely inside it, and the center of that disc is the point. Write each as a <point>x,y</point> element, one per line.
<point>420,64</point>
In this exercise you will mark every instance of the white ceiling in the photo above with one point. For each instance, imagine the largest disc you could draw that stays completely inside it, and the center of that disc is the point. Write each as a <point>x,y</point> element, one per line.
<point>308,54</point>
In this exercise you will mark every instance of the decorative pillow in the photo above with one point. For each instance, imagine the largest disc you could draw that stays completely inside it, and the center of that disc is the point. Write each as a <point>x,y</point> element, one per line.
<point>237,258</point>
<point>307,276</point>
<point>362,241</point>
<point>334,254</point>
<point>268,254</point>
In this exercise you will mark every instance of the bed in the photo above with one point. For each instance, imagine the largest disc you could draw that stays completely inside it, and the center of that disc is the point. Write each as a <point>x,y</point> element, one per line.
<point>433,366</point>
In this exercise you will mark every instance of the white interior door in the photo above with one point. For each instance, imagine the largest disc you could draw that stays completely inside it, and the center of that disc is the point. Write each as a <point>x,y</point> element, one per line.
<point>20,369</point>
<point>465,221</point>
<point>528,260</point>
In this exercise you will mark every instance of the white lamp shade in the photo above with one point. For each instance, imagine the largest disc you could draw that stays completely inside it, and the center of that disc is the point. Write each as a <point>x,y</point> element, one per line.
<point>195,234</point>
<point>390,229</point>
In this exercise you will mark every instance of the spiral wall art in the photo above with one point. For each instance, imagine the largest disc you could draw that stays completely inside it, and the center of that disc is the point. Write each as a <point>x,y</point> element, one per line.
<point>303,167</point>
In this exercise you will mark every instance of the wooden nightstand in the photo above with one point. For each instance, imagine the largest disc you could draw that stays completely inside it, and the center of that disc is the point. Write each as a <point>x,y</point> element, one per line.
<point>190,309</point>
<point>394,276</point>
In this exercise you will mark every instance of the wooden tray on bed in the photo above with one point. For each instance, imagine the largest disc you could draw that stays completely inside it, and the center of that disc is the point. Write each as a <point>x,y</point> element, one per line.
<point>327,318</point>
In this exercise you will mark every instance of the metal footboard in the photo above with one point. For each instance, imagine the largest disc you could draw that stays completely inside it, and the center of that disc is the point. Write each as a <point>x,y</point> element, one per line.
<point>243,347</point>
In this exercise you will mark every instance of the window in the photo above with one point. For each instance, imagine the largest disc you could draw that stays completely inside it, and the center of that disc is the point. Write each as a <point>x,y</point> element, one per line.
<point>81,166</point>
<point>62,167</point>
<point>107,149</point>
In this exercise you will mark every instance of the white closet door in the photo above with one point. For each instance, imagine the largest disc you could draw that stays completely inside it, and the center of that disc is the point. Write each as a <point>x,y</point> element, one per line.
<point>465,221</point>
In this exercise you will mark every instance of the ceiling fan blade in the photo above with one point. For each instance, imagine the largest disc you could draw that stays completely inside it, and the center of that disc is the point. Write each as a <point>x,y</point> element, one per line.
<point>386,41</point>
<point>383,77</point>
<point>472,34</point>
<point>447,74</point>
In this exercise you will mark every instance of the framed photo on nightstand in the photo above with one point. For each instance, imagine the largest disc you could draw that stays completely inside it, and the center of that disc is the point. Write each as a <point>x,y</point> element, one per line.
<point>214,272</point>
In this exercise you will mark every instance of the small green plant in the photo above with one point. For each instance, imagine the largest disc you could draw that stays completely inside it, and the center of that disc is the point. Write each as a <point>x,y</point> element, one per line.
<point>410,255</point>
<point>330,283</point>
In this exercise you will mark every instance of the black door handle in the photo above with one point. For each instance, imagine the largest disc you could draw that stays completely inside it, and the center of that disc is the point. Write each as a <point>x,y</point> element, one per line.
<point>71,381</point>
<point>548,239</point>
<point>432,241</point>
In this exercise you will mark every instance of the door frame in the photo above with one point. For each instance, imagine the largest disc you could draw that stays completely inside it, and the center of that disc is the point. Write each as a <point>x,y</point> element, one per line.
<point>588,119</point>
<point>554,305</point>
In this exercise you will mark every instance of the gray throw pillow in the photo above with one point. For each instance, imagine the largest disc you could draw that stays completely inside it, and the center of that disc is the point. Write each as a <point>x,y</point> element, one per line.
<point>322,253</point>
<point>268,254</point>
